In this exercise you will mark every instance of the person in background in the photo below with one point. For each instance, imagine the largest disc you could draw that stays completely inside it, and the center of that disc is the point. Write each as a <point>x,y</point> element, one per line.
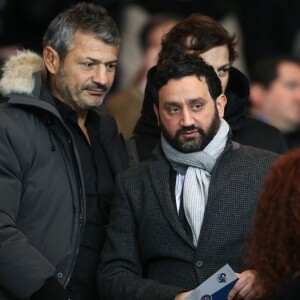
<point>207,38</point>
<point>126,104</point>
<point>275,239</point>
<point>275,95</point>
<point>59,156</point>
<point>183,215</point>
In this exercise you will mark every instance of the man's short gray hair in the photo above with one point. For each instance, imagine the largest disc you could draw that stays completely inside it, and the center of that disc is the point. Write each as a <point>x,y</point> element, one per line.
<point>84,17</point>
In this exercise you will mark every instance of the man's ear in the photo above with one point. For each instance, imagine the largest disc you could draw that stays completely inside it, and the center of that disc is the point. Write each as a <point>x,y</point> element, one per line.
<point>257,94</point>
<point>51,59</point>
<point>156,112</point>
<point>220,103</point>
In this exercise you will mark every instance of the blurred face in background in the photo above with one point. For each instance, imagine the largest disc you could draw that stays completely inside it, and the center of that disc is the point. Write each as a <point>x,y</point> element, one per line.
<point>279,103</point>
<point>154,43</point>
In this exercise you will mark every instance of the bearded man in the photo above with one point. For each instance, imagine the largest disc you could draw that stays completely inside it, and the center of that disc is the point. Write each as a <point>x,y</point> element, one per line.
<point>180,217</point>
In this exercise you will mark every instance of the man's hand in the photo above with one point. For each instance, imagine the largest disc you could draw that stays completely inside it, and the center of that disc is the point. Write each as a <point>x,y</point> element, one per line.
<point>182,295</point>
<point>246,287</point>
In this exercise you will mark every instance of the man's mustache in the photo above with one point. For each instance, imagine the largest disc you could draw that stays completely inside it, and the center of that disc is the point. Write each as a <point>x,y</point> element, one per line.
<point>94,86</point>
<point>188,128</point>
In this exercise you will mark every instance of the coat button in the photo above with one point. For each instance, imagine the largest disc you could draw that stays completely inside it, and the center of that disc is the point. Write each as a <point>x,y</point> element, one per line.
<point>199,264</point>
<point>59,275</point>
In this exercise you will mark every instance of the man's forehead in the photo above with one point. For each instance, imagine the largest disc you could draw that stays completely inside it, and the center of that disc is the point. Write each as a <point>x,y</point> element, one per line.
<point>286,67</point>
<point>88,46</point>
<point>289,71</point>
<point>184,89</point>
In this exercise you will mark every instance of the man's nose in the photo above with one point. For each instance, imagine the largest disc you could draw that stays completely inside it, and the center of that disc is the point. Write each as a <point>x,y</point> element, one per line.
<point>187,118</point>
<point>100,75</point>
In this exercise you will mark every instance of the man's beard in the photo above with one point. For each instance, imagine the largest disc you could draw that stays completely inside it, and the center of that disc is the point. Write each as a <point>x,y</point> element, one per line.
<point>192,144</point>
<point>74,97</point>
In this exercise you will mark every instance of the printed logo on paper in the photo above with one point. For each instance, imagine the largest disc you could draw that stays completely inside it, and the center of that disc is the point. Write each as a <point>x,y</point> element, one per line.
<point>222,278</point>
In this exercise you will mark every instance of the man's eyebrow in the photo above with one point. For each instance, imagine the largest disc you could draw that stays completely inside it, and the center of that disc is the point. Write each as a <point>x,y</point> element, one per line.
<point>199,99</point>
<point>189,101</point>
<point>111,62</point>
<point>95,60</point>
<point>170,103</point>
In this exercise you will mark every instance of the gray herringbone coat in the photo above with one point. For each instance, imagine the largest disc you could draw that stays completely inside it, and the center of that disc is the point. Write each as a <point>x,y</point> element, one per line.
<point>149,256</point>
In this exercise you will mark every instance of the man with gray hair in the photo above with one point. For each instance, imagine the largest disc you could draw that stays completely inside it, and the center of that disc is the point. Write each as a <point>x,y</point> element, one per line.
<point>183,215</point>
<point>59,155</point>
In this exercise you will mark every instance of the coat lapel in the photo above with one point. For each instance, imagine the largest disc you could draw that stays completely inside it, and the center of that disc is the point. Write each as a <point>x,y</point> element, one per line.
<point>160,176</point>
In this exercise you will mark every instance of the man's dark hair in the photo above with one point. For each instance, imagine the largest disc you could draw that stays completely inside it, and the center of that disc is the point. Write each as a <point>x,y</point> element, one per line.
<point>84,17</point>
<point>265,71</point>
<point>197,34</point>
<point>182,66</point>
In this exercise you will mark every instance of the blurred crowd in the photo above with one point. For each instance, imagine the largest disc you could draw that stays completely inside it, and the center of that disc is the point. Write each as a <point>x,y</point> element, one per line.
<point>265,27</point>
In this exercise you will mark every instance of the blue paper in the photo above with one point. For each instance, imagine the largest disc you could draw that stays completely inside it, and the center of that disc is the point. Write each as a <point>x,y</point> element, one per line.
<point>216,287</point>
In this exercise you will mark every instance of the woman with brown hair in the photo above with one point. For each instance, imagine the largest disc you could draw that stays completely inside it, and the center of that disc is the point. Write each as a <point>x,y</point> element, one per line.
<point>274,248</point>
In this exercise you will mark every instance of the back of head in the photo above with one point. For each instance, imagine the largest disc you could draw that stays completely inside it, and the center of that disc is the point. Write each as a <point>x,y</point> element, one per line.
<point>159,22</point>
<point>275,240</point>
<point>197,34</point>
<point>84,17</point>
<point>180,66</point>
<point>150,38</point>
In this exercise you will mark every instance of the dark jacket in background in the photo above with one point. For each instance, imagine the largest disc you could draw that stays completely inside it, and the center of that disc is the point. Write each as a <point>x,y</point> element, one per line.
<point>292,139</point>
<point>245,130</point>
<point>42,207</point>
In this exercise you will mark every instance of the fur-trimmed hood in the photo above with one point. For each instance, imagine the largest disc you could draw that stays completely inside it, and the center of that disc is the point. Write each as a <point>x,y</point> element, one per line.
<point>18,73</point>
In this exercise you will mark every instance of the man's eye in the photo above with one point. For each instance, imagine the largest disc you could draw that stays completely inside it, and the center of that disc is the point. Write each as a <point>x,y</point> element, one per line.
<point>223,72</point>
<point>87,65</point>
<point>173,110</point>
<point>291,85</point>
<point>111,67</point>
<point>197,107</point>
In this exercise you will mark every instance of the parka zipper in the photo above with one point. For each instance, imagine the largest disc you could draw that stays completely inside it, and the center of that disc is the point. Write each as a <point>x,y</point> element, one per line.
<point>81,222</point>
<point>77,242</point>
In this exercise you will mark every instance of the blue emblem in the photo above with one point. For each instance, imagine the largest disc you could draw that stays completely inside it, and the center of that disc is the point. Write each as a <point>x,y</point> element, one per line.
<point>222,278</point>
